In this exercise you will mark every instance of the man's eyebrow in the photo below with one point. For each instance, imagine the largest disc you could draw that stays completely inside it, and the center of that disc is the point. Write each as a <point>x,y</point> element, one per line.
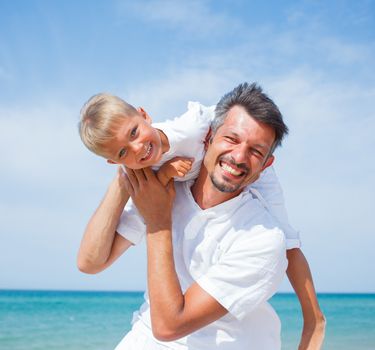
<point>233,133</point>
<point>258,145</point>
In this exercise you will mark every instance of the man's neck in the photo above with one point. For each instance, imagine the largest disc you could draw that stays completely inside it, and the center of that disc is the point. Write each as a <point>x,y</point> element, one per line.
<point>206,195</point>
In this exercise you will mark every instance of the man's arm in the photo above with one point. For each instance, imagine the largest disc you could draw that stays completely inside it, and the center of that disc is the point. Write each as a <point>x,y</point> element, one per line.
<point>175,314</point>
<point>101,245</point>
<point>313,319</point>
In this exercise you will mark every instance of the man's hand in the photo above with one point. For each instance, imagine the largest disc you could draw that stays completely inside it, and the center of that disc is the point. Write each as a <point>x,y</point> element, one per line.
<point>313,335</point>
<point>175,167</point>
<point>152,199</point>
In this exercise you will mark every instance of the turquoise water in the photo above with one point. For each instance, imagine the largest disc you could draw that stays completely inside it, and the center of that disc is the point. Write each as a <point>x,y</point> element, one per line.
<point>47,320</point>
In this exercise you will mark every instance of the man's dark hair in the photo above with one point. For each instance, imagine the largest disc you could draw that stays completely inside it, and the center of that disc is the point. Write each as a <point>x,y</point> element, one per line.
<point>257,104</point>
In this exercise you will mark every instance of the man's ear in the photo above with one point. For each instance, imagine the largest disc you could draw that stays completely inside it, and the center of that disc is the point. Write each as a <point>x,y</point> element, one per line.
<point>268,162</point>
<point>207,139</point>
<point>144,115</point>
<point>109,161</point>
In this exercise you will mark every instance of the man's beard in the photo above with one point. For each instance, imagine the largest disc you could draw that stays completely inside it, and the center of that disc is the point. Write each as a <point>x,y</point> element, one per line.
<point>225,186</point>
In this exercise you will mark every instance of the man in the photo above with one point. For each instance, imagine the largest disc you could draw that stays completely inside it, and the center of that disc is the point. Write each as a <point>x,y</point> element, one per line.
<point>229,255</point>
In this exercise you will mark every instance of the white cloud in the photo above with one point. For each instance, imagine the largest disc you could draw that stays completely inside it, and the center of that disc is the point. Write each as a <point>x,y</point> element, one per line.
<point>168,97</point>
<point>193,16</point>
<point>41,144</point>
<point>325,166</point>
<point>340,52</point>
<point>4,74</point>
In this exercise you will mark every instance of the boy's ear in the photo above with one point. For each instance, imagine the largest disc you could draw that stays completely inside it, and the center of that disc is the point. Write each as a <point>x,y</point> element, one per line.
<point>109,161</point>
<point>144,115</point>
<point>207,139</point>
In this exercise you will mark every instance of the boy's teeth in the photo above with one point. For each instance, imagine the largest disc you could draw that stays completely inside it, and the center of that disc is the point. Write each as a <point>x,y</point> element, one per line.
<point>230,170</point>
<point>148,151</point>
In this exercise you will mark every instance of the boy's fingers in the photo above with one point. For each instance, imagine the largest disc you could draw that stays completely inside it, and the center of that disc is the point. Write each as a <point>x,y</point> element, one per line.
<point>186,167</point>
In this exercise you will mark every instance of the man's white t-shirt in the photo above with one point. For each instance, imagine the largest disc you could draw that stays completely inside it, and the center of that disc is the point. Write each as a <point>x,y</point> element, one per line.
<point>235,251</point>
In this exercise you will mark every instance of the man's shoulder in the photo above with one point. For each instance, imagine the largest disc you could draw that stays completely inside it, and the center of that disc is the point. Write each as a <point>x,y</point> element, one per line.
<point>254,218</point>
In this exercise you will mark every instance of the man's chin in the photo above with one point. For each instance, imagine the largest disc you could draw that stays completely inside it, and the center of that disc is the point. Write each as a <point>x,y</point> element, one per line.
<point>225,186</point>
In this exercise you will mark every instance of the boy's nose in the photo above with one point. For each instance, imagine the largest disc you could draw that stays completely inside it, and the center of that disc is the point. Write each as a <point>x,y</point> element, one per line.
<point>136,147</point>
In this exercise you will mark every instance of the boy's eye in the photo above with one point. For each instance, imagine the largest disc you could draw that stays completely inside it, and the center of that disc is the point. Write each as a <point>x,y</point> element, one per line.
<point>133,132</point>
<point>122,153</point>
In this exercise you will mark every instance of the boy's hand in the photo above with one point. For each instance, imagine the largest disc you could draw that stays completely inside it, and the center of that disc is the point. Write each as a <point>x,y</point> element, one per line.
<point>176,167</point>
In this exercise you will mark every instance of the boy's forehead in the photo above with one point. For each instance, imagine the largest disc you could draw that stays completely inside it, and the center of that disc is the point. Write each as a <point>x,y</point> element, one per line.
<point>122,124</point>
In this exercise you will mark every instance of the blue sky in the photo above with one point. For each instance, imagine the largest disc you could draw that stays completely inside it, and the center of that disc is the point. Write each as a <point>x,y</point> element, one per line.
<point>314,58</point>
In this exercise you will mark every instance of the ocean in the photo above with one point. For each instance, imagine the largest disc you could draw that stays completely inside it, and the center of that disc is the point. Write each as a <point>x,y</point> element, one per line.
<point>54,320</point>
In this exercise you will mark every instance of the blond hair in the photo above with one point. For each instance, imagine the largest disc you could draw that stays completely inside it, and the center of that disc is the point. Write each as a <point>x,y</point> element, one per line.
<point>101,115</point>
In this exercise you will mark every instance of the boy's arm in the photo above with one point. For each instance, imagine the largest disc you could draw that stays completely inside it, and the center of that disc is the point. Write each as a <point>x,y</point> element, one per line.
<point>175,167</point>
<point>300,277</point>
<point>101,245</point>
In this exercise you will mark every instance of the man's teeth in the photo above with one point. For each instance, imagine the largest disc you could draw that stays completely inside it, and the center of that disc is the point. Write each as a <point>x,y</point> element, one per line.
<point>230,170</point>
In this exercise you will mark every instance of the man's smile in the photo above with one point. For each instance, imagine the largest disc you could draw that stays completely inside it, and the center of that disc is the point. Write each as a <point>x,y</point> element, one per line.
<point>232,170</point>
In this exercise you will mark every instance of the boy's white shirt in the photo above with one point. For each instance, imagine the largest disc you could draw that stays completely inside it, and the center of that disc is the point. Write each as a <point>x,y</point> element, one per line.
<point>186,135</point>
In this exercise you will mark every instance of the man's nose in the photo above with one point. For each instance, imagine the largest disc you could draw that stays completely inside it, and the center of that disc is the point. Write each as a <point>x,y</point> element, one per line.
<point>239,154</point>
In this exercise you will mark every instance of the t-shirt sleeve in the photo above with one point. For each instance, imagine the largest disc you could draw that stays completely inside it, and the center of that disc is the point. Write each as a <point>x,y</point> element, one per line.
<point>131,225</point>
<point>269,192</point>
<point>249,273</point>
<point>186,135</point>
<point>199,114</point>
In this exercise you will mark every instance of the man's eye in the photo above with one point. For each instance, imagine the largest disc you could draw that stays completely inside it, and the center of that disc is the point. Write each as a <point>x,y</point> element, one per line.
<point>133,132</point>
<point>257,153</point>
<point>230,139</point>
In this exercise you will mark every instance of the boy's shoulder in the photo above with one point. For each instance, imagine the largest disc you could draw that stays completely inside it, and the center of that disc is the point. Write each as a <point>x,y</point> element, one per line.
<point>190,127</point>
<point>197,115</point>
